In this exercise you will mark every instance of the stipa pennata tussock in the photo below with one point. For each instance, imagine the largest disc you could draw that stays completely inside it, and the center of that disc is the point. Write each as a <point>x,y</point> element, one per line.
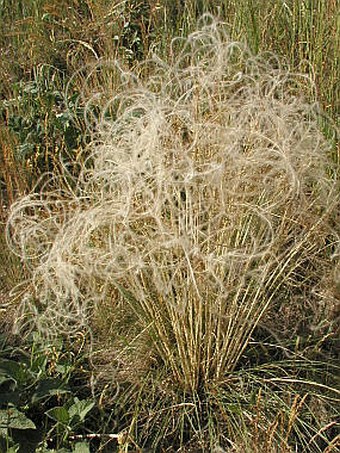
<point>207,191</point>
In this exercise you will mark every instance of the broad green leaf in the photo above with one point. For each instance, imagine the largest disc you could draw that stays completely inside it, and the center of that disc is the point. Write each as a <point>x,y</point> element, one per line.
<point>59,414</point>
<point>11,369</point>
<point>81,447</point>
<point>80,408</point>
<point>12,418</point>
<point>48,387</point>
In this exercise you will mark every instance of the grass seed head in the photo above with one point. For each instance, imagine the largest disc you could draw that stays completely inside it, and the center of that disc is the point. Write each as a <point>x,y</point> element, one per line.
<point>207,192</point>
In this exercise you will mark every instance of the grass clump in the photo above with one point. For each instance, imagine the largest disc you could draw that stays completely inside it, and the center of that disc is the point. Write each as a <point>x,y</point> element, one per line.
<point>208,199</point>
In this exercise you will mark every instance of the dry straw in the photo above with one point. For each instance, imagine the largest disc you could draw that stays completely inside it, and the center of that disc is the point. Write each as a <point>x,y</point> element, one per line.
<point>207,189</point>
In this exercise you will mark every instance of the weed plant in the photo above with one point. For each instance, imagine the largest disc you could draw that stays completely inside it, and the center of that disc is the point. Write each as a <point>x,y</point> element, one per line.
<point>38,403</point>
<point>208,200</point>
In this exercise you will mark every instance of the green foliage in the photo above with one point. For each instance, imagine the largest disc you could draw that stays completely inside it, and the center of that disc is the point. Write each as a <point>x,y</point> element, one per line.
<point>71,415</point>
<point>36,398</point>
<point>136,31</point>
<point>13,419</point>
<point>47,125</point>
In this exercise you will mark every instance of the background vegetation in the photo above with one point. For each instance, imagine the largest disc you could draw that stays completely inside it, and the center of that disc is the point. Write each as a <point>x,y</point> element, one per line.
<point>64,395</point>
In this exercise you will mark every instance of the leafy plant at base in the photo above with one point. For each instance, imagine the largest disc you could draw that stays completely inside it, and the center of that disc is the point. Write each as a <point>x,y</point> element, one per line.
<point>34,383</point>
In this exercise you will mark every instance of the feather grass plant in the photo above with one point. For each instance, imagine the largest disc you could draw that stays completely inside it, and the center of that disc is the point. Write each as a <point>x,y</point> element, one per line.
<point>208,195</point>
